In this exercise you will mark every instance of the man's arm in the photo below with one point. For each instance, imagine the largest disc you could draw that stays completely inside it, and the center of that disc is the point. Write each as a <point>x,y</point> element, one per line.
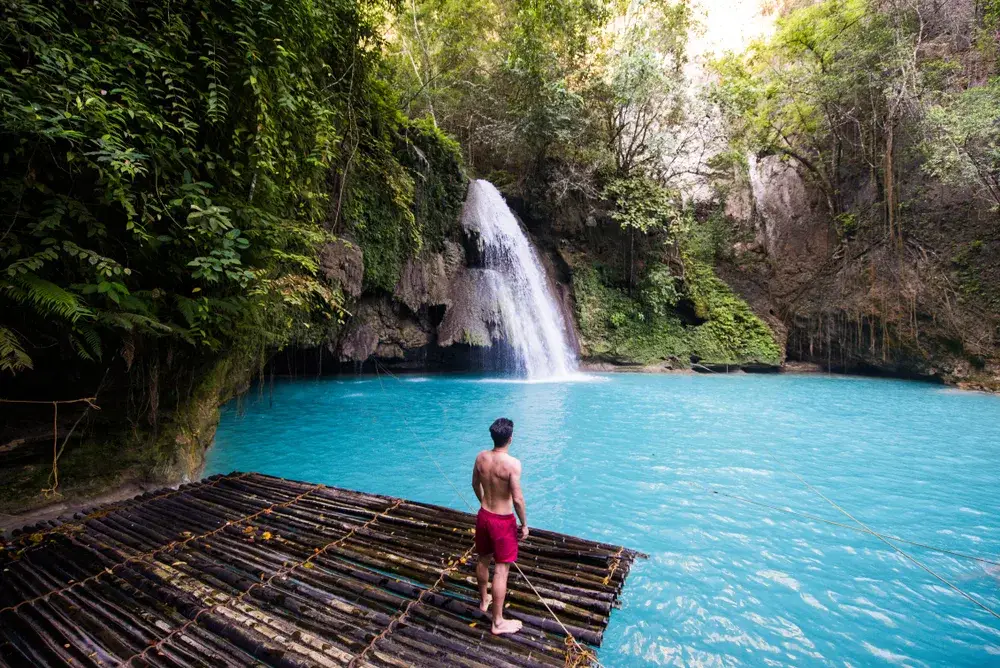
<point>477,486</point>
<point>518,496</point>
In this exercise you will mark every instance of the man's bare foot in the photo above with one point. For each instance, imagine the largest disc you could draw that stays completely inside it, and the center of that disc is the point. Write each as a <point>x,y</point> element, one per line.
<point>506,626</point>
<point>485,605</point>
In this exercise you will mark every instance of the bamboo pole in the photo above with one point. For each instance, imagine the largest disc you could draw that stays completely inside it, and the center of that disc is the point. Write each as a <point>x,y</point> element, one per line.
<point>214,569</point>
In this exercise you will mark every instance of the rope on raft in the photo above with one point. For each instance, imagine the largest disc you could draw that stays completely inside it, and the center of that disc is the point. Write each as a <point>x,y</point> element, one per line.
<point>145,556</point>
<point>401,617</point>
<point>267,583</point>
<point>582,654</point>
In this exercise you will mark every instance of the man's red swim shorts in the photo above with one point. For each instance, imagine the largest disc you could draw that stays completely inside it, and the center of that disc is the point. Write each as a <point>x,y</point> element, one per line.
<point>496,535</point>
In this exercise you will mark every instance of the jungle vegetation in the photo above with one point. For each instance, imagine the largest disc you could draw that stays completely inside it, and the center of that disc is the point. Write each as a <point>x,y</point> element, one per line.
<point>173,170</point>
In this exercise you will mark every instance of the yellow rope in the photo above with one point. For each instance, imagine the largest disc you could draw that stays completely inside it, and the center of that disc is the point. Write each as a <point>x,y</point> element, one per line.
<point>54,475</point>
<point>882,538</point>
<point>614,566</point>
<point>398,619</point>
<point>86,400</point>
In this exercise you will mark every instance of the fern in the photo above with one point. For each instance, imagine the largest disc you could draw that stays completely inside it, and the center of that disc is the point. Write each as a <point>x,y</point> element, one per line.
<point>93,341</point>
<point>143,118</point>
<point>132,321</point>
<point>45,297</point>
<point>12,355</point>
<point>80,349</point>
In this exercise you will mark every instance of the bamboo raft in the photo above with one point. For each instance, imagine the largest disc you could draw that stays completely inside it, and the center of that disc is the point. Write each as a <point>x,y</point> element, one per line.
<point>251,569</point>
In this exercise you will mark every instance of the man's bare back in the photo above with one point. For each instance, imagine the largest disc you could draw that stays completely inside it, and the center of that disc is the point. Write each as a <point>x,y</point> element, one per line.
<point>496,479</point>
<point>495,470</point>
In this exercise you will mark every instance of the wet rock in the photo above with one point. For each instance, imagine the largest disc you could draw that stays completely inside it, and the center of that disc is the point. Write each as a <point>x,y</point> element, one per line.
<point>470,319</point>
<point>378,328</point>
<point>424,282</point>
<point>342,263</point>
<point>454,258</point>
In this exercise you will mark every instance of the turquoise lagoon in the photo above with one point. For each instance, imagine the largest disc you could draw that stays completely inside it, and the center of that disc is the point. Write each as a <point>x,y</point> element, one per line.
<point>633,459</point>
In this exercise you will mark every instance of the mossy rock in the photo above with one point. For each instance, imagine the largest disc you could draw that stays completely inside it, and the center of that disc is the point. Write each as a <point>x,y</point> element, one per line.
<point>622,329</point>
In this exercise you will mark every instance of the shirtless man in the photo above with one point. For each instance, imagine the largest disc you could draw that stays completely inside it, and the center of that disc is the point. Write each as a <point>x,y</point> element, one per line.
<point>496,478</point>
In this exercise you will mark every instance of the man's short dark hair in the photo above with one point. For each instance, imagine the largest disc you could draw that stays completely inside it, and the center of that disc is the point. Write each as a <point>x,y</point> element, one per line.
<point>501,430</point>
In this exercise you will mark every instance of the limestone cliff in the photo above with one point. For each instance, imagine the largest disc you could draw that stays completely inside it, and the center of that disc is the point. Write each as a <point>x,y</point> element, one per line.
<point>849,298</point>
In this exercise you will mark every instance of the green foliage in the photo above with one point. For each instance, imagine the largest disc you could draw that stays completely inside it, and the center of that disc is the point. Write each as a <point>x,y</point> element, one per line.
<point>615,327</point>
<point>709,238</point>
<point>549,99</point>
<point>847,225</point>
<point>435,160</point>
<point>732,332</point>
<point>407,189</point>
<point>168,169</point>
<point>12,355</point>
<point>660,290</point>
<point>648,330</point>
<point>834,75</point>
<point>639,88</point>
<point>990,11</point>
<point>963,145</point>
<point>494,74</point>
<point>642,204</point>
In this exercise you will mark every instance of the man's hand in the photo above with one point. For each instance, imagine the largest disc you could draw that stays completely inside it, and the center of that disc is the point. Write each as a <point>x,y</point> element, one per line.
<point>524,532</point>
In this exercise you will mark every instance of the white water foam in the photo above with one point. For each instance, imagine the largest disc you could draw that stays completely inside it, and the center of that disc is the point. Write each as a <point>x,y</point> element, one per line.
<point>531,322</point>
<point>575,377</point>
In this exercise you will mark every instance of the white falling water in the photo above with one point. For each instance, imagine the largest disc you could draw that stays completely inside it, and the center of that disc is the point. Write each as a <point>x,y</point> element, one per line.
<point>516,284</point>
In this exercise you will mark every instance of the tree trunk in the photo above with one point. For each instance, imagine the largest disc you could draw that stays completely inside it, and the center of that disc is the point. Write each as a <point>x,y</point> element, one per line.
<point>890,186</point>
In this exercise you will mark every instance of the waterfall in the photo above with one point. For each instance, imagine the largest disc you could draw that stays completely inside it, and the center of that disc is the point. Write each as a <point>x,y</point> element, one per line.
<point>516,288</point>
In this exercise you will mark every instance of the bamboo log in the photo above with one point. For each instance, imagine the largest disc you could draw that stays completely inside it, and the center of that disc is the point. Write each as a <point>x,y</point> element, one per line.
<point>15,650</point>
<point>448,627</point>
<point>422,572</point>
<point>331,624</point>
<point>206,644</point>
<point>201,552</point>
<point>247,639</point>
<point>237,611</point>
<point>35,641</point>
<point>110,631</point>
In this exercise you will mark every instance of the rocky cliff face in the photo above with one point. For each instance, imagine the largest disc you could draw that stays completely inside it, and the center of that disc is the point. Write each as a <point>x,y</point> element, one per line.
<point>848,297</point>
<point>437,317</point>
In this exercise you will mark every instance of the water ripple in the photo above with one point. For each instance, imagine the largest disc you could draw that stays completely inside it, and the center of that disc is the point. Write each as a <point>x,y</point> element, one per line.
<point>629,459</point>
